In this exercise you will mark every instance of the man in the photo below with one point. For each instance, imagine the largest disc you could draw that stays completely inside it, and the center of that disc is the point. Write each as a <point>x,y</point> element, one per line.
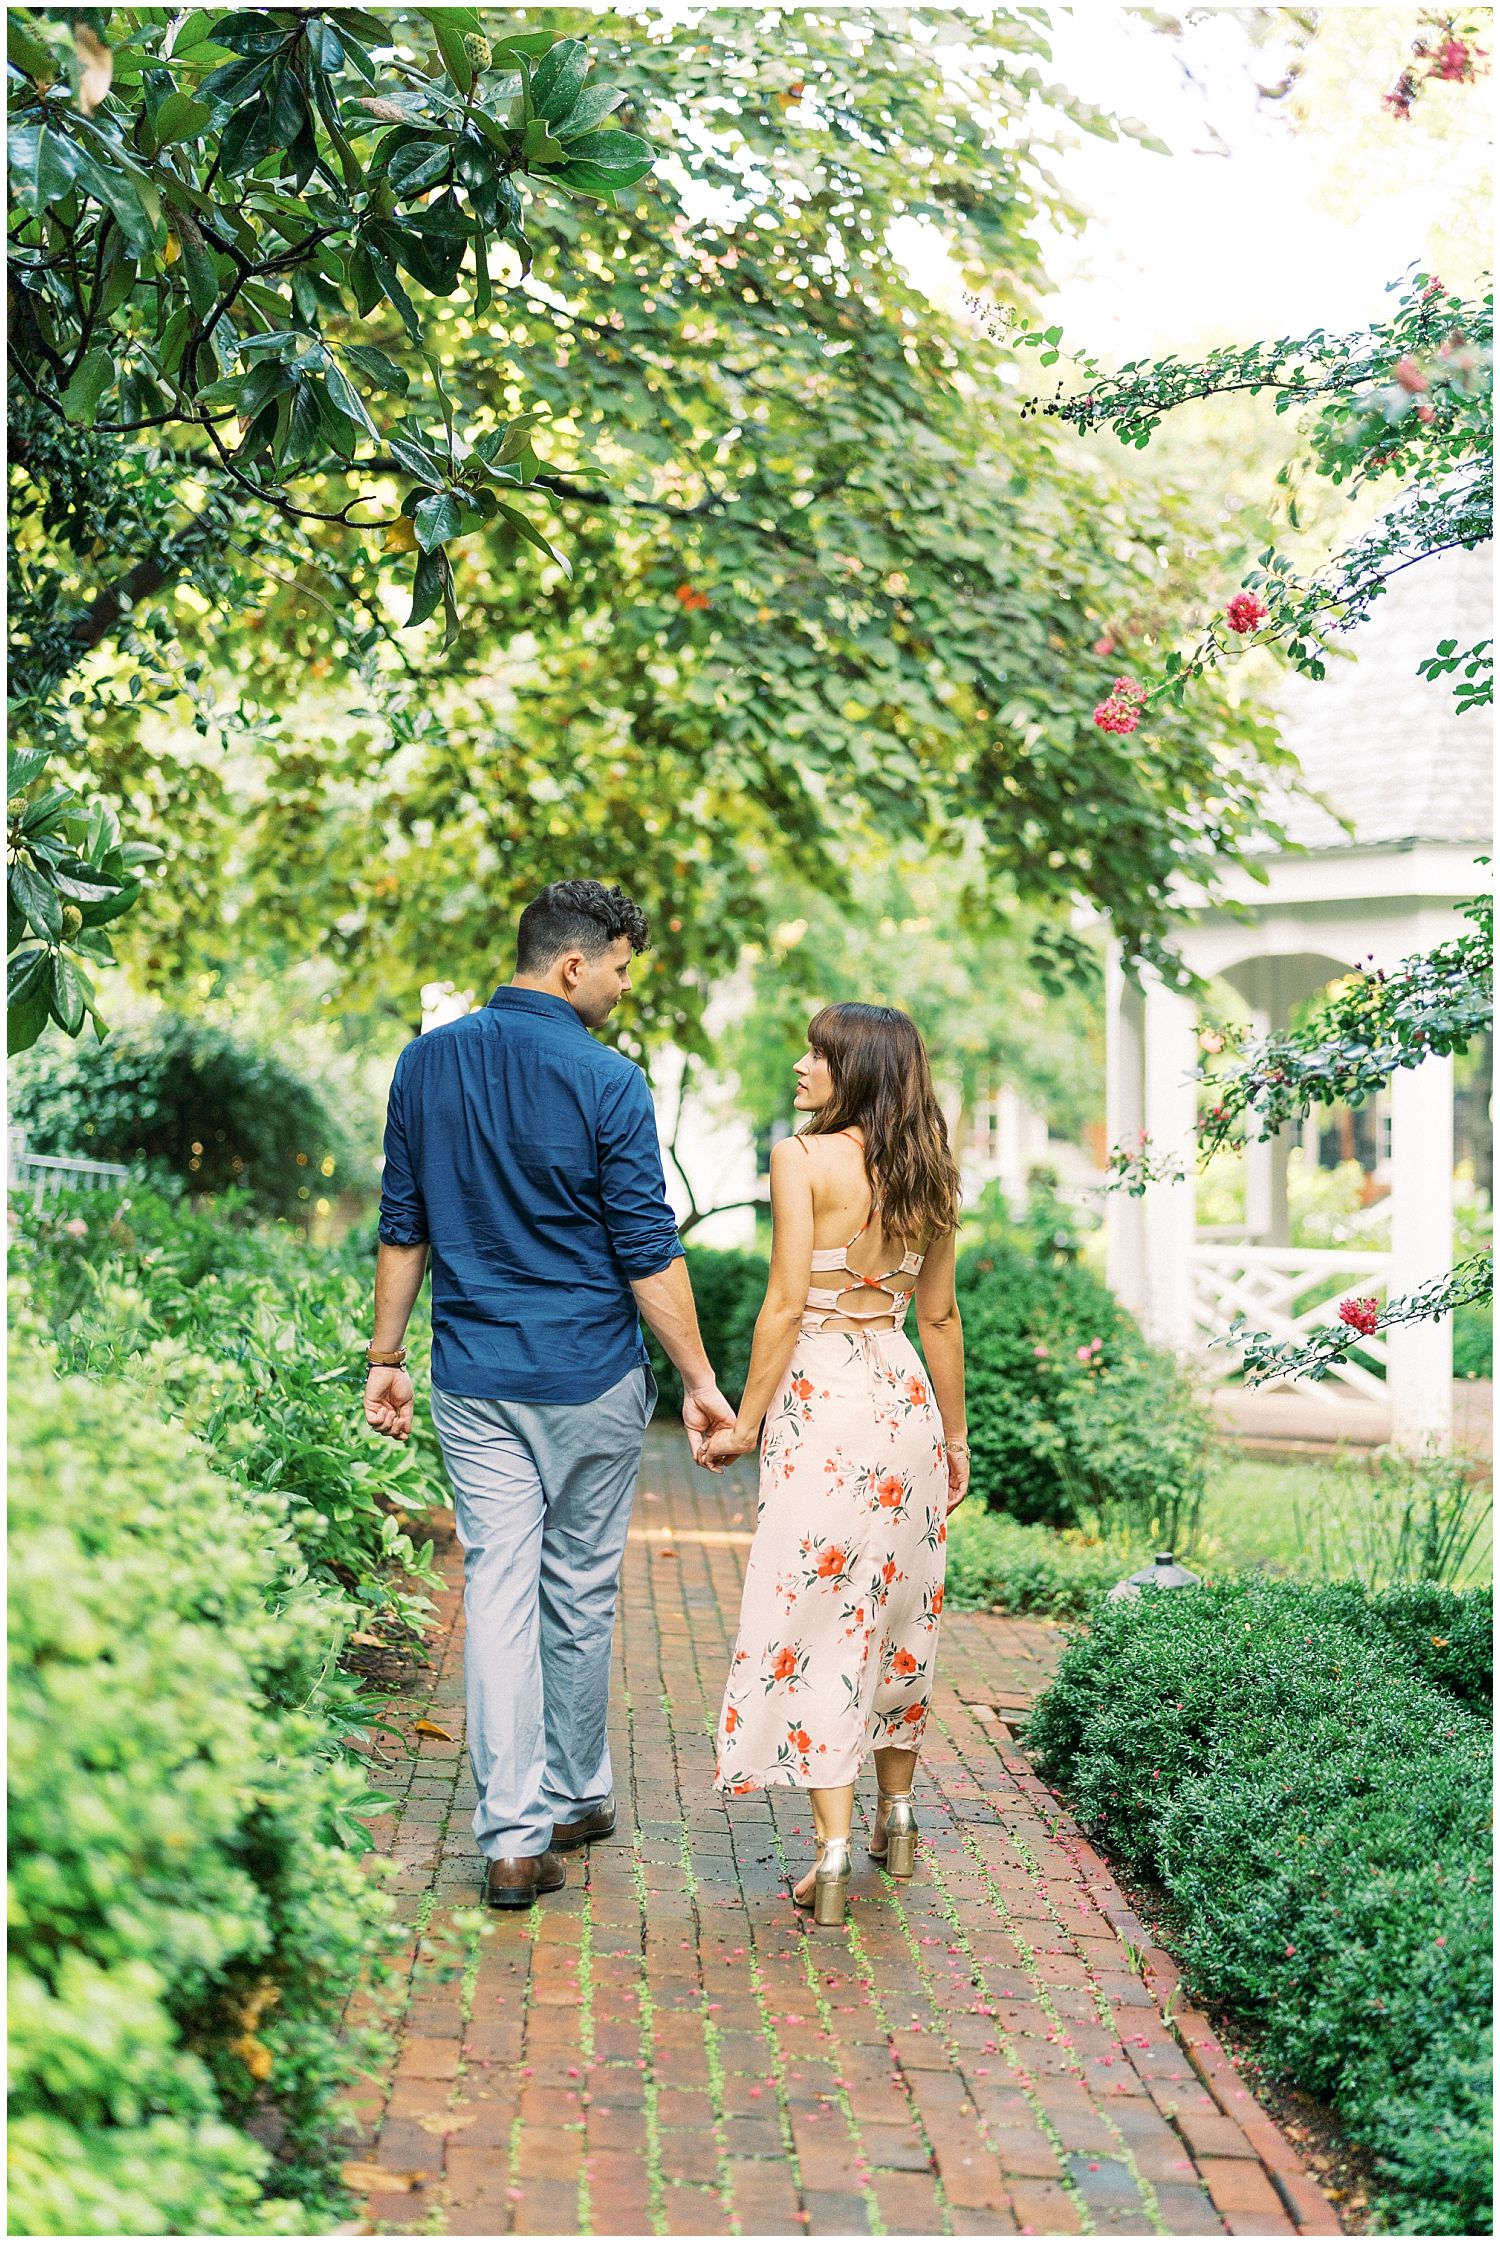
<point>521,1156</point>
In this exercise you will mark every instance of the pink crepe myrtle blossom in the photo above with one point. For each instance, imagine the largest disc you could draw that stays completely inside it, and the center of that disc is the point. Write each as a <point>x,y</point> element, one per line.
<point>1121,710</point>
<point>1245,612</point>
<point>1361,1314</point>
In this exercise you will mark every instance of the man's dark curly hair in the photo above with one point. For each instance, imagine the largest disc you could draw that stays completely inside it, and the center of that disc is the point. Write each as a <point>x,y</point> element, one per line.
<point>577,915</point>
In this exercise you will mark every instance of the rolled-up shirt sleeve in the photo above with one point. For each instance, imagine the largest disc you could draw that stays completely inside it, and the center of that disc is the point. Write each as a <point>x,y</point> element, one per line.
<point>403,1212</point>
<point>641,1227</point>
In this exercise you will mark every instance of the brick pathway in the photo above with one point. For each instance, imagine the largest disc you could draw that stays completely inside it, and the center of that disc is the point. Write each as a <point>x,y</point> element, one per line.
<point>664,2049</point>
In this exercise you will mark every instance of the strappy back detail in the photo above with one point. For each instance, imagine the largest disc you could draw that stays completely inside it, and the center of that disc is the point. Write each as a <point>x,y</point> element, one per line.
<point>825,1301</point>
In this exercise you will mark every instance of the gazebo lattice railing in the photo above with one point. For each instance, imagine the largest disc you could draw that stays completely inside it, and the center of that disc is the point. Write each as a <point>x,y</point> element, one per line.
<point>1288,1291</point>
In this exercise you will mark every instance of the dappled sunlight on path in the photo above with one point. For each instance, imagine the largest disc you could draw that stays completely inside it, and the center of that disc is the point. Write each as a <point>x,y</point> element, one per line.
<point>664,2047</point>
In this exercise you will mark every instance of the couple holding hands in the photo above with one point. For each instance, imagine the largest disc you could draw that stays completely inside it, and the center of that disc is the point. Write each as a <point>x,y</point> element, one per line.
<point>522,1165</point>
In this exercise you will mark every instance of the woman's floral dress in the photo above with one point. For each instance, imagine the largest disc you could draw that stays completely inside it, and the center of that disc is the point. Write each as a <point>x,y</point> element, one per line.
<point>844,1586</point>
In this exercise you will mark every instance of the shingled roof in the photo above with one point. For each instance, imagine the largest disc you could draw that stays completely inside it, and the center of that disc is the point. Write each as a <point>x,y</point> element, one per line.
<point>1383,744</point>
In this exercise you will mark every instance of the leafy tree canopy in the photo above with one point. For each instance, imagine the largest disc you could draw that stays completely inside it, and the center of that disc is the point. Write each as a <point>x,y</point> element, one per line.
<point>739,547</point>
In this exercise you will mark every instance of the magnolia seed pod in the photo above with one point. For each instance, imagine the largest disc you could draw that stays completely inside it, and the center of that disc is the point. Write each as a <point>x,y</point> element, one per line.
<point>72,919</point>
<point>477,48</point>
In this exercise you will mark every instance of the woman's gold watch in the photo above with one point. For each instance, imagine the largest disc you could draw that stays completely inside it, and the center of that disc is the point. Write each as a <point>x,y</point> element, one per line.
<point>385,1359</point>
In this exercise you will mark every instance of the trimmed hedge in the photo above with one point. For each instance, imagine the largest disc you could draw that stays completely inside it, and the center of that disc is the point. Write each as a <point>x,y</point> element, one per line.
<point>1317,1806</point>
<point>187,1918</point>
<point>997,1564</point>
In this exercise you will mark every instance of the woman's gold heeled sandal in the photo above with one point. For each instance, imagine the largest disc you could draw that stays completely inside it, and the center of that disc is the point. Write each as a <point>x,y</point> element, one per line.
<point>830,1894</point>
<point>898,1847</point>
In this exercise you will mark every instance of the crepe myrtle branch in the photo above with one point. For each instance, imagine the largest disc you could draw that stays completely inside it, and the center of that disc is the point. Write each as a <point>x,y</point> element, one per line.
<point>1332,1344</point>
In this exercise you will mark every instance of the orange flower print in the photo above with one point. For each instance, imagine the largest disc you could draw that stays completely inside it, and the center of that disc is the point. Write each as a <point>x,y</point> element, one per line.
<point>916,1392</point>
<point>888,1571</point>
<point>785,1664</point>
<point>903,1663</point>
<point>937,1600</point>
<point>914,1713</point>
<point>802,1388</point>
<point>831,1562</point>
<point>890,1490</point>
<point>731,1720</point>
<point>799,1740</point>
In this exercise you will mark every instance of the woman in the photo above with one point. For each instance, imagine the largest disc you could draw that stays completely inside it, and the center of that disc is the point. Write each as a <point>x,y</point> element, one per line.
<point>859,1467</point>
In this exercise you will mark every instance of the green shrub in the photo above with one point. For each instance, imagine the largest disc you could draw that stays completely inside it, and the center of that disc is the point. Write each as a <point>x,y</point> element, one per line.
<point>253,1340</point>
<point>190,1101</point>
<point>997,1564</point>
<point>1446,1634</point>
<point>729,1288</point>
<point>1318,1811</point>
<point>187,1923</point>
<point>1073,1419</point>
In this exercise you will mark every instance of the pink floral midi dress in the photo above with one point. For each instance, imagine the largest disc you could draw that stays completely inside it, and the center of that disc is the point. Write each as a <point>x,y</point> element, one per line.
<point>844,1585</point>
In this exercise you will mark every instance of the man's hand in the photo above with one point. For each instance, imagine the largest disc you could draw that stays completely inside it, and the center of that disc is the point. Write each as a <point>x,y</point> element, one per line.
<point>388,1397</point>
<point>704,1409</point>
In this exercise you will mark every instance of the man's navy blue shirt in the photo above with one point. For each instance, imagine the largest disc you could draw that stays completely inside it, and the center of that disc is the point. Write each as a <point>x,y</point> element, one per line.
<point>525,1155</point>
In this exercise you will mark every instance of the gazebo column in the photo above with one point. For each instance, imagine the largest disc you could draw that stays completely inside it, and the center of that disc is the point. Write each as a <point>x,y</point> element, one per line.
<point>1421,1355</point>
<point>1268,1216</point>
<point>1124,1120</point>
<point>1171,1106</point>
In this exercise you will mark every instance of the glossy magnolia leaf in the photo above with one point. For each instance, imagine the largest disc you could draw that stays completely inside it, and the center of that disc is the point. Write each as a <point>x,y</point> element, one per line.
<point>180,117</point>
<point>427,588</point>
<point>450,37</point>
<point>558,79</point>
<point>436,520</point>
<point>21,767</point>
<point>380,369</point>
<point>533,536</point>
<point>37,898</point>
<point>538,147</point>
<point>593,105</point>
<point>419,165</point>
<point>80,400</point>
<point>43,165</point>
<point>418,461</point>
<point>25,973</point>
<point>69,994</point>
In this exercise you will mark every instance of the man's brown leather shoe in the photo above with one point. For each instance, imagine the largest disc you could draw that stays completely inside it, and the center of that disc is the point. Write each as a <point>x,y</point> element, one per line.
<point>598,1823</point>
<point>516,1879</point>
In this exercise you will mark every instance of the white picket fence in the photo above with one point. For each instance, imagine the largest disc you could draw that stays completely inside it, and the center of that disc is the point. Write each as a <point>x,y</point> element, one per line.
<point>41,1175</point>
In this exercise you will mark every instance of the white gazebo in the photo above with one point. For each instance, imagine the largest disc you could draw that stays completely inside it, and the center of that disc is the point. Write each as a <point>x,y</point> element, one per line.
<point>1383,747</point>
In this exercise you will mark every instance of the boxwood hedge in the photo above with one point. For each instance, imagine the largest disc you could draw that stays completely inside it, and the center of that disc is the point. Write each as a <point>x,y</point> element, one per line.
<point>187,1921</point>
<point>1313,1792</point>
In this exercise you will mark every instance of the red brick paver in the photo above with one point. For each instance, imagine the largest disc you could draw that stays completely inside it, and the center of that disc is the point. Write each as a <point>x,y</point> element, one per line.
<point>664,2048</point>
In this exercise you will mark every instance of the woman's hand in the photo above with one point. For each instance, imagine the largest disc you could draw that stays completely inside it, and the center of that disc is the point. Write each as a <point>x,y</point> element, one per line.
<point>958,1475</point>
<point>724,1444</point>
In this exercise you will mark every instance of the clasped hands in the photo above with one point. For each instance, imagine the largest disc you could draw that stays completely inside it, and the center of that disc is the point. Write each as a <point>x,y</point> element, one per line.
<point>711,1431</point>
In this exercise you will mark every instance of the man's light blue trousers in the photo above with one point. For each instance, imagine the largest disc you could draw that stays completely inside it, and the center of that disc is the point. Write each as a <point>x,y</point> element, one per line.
<point>542,1495</point>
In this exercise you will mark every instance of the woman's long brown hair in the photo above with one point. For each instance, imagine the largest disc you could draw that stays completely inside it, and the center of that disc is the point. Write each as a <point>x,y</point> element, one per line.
<point>882,1086</point>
